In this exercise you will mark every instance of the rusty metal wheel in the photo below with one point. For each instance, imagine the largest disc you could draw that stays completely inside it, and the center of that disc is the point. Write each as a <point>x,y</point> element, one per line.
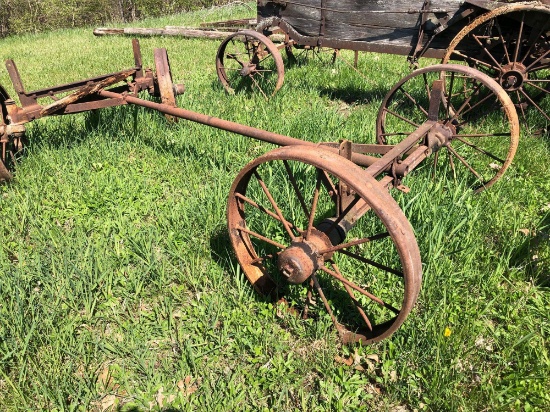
<point>510,44</point>
<point>11,141</point>
<point>165,84</point>
<point>480,114</point>
<point>249,60</point>
<point>310,226</point>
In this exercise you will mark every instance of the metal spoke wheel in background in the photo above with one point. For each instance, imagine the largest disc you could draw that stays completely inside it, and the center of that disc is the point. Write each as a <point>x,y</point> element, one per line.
<point>249,60</point>
<point>481,116</point>
<point>511,44</point>
<point>311,226</point>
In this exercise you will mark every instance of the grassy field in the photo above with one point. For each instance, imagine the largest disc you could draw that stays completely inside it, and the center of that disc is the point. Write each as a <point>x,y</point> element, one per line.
<point>119,289</point>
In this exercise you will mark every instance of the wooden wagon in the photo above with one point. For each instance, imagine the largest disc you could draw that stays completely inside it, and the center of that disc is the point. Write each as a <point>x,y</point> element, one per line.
<point>508,40</point>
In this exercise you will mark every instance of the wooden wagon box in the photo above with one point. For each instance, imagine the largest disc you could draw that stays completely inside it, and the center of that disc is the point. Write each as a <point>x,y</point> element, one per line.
<point>374,25</point>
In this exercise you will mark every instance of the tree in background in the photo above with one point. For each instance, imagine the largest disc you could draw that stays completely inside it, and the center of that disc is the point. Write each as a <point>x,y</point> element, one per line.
<point>30,16</point>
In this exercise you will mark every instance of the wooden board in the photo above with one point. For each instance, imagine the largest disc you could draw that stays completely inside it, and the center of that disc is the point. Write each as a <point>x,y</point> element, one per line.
<point>355,20</point>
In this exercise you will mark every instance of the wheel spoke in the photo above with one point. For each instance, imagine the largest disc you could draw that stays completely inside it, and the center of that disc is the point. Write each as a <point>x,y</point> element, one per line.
<point>296,188</point>
<point>359,289</point>
<point>261,237</point>
<point>262,259</point>
<point>533,82</point>
<point>354,300</point>
<point>330,187</point>
<point>536,86</point>
<point>502,41</point>
<point>314,205</point>
<point>534,42</point>
<point>534,104</point>
<point>258,86</point>
<point>448,108</point>
<point>480,102</point>
<point>518,103</point>
<point>465,163</point>
<point>372,263</point>
<point>265,58</point>
<point>266,211</point>
<point>542,56</point>
<point>434,169</point>
<point>354,243</point>
<point>452,163</point>
<point>466,102</point>
<point>323,298</point>
<point>474,61</point>
<point>480,150</point>
<point>518,41</point>
<point>412,99</point>
<point>274,205</point>
<point>498,66</point>
<point>402,118</point>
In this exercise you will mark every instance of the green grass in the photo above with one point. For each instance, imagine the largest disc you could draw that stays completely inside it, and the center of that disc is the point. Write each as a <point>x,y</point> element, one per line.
<point>118,286</point>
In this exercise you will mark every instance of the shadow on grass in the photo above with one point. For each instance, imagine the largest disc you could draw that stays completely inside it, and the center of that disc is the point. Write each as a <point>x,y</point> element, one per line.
<point>533,254</point>
<point>136,409</point>
<point>353,95</point>
<point>223,255</point>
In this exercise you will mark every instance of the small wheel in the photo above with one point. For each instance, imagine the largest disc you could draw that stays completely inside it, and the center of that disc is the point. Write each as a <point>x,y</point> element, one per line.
<point>248,59</point>
<point>480,114</point>
<point>164,81</point>
<point>298,216</point>
<point>510,44</point>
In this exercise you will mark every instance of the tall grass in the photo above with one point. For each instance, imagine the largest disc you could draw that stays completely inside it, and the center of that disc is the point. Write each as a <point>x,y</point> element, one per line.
<point>118,288</point>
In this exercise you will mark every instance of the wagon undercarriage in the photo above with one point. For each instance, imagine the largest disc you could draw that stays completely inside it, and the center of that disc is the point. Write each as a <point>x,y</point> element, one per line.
<point>509,41</point>
<point>320,215</point>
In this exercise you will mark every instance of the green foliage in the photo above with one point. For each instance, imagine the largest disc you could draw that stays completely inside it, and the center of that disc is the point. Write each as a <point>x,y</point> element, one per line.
<point>119,291</point>
<point>22,16</point>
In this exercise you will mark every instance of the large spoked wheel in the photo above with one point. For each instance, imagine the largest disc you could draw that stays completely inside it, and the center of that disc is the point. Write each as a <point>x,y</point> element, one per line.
<point>511,45</point>
<point>481,116</point>
<point>249,60</point>
<point>311,226</point>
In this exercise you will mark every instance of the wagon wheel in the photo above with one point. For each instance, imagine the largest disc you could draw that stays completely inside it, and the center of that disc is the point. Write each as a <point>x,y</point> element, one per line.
<point>248,59</point>
<point>164,81</point>
<point>483,143</point>
<point>286,231</point>
<point>511,44</point>
<point>10,146</point>
<point>5,174</point>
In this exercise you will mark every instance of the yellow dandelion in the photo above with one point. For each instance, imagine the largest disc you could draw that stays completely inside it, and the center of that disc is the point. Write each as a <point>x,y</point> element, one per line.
<point>447,332</point>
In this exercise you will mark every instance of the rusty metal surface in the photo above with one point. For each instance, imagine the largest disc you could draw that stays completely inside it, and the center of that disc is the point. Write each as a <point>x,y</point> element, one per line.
<point>452,116</point>
<point>258,134</point>
<point>308,253</point>
<point>246,59</point>
<point>510,44</point>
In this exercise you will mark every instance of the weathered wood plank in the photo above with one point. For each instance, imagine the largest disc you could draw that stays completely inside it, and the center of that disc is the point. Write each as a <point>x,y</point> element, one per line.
<point>172,31</point>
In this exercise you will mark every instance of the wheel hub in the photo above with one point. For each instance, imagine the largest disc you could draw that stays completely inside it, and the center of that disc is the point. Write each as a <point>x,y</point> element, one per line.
<point>440,135</point>
<point>248,69</point>
<point>513,76</point>
<point>302,259</point>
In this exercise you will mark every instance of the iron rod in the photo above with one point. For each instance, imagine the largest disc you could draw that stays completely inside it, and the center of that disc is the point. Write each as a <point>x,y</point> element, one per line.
<point>258,134</point>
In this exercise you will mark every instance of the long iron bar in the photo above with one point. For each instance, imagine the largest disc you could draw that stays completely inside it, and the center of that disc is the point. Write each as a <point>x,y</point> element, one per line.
<point>258,134</point>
